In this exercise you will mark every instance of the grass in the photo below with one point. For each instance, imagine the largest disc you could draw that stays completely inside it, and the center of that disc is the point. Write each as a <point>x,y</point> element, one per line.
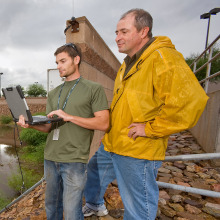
<point>33,154</point>
<point>3,201</point>
<point>40,113</point>
<point>5,119</point>
<point>30,178</point>
<point>31,157</point>
<point>33,137</point>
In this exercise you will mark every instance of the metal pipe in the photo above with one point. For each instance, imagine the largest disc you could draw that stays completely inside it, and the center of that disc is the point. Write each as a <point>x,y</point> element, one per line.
<point>207,35</point>
<point>189,189</point>
<point>209,61</point>
<point>206,156</point>
<point>201,55</point>
<point>210,77</point>
<point>22,195</point>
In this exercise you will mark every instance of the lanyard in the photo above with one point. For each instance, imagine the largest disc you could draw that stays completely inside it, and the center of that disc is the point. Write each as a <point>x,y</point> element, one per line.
<point>64,105</point>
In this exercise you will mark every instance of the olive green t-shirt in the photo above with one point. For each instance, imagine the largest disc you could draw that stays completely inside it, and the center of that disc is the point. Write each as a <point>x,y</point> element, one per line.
<point>74,141</point>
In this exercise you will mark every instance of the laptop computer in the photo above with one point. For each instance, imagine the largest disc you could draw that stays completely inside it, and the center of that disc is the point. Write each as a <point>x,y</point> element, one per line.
<point>18,106</point>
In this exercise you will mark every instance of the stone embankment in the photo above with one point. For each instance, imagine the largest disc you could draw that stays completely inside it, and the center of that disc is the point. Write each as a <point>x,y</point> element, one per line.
<point>36,104</point>
<point>173,204</point>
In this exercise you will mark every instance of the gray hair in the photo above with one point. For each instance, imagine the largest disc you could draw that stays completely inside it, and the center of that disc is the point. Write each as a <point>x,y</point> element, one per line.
<point>142,19</point>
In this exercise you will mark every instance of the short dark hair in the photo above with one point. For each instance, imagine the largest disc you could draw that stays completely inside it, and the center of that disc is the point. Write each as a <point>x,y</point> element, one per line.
<point>72,49</point>
<point>142,19</point>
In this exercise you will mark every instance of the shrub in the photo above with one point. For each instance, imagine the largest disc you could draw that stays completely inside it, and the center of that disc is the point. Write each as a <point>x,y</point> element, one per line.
<point>215,66</point>
<point>36,90</point>
<point>33,137</point>
<point>5,119</point>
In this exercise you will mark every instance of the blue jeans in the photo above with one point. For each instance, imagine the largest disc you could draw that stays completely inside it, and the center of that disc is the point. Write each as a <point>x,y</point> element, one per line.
<point>64,190</point>
<point>136,182</point>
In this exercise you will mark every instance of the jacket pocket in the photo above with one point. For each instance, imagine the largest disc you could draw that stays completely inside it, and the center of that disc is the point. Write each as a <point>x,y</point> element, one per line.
<point>142,105</point>
<point>135,105</point>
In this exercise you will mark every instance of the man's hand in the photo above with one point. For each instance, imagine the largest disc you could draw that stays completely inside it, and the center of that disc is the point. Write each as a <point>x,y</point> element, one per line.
<point>43,127</point>
<point>136,130</point>
<point>21,122</point>
<point>60,113</point>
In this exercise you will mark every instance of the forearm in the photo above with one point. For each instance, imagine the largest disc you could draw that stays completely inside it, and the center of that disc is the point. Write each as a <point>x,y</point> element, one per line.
<point>43,128</point>
<point>100,121</point>
<point>95,123</point>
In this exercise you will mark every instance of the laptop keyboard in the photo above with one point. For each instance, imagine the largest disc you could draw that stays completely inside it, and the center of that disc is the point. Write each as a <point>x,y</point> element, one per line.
<point>40,118</point>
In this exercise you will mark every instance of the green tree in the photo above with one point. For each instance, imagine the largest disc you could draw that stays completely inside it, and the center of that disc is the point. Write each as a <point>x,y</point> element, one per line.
<point>215,66</point>
<point>36,90</point>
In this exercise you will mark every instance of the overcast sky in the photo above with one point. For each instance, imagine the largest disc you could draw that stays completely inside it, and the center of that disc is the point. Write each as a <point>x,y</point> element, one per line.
<point>31,30</point>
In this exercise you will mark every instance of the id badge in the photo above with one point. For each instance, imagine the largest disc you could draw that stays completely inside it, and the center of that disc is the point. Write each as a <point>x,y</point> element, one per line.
<point>56,133</point>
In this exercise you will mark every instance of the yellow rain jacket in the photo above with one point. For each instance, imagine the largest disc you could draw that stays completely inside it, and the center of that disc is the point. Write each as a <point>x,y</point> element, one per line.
<point>161,91</point>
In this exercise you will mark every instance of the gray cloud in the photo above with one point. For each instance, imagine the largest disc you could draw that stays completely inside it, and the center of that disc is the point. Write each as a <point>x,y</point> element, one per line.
<point>31,30</point>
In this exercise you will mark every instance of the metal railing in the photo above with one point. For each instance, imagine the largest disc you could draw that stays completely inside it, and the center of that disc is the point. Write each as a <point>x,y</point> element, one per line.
<point>207,65</point>
<point>194,157</point>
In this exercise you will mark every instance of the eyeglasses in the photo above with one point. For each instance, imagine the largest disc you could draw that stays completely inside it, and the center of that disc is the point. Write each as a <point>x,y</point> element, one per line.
<point>73,46</point>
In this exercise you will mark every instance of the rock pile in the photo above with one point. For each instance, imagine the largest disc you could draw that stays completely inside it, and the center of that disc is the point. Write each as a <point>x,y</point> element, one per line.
<point>31,207</point>
<point>173,204</point>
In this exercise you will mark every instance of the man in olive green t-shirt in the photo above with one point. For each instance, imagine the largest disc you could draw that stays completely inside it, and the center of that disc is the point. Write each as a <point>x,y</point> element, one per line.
<point>83,106</point>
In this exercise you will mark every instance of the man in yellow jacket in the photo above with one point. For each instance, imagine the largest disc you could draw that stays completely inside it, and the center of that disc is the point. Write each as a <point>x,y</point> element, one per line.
<point>155,95</point>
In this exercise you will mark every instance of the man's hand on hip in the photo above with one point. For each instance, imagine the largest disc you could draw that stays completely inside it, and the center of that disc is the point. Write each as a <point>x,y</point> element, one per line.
<point>136,130</point>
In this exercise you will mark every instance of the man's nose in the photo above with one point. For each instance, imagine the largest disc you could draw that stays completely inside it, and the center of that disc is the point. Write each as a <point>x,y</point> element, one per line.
<point>118,36</point>
<point>58,66</point>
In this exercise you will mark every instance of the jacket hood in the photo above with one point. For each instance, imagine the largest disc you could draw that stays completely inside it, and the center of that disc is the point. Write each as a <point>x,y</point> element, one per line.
<point>160,42</point>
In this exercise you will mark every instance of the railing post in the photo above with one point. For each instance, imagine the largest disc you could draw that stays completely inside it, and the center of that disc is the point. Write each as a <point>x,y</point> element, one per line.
<point>194,66</point>
<point>208,70</point>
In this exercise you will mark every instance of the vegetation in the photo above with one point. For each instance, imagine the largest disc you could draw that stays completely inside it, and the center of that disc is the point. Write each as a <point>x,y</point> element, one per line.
<point>33,154</point>
<point>33,137</point>
<point>35,90</point>
<point>5,119</point>
<point>215,67</point>
<point>30,178</point>
<point>3,201</point>
<point>32,158</point>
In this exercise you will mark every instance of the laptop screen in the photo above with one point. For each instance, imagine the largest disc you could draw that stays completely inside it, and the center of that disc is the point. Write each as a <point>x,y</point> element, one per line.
<point>17,103</point>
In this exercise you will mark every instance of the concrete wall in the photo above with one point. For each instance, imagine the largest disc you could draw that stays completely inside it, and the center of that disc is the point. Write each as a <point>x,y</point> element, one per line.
<point>207,130</point>
<point>99,64</point>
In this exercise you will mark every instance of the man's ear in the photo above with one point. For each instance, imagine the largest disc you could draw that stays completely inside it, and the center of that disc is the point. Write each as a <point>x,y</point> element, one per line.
<point>144,32</point>
<point>76,60</point>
